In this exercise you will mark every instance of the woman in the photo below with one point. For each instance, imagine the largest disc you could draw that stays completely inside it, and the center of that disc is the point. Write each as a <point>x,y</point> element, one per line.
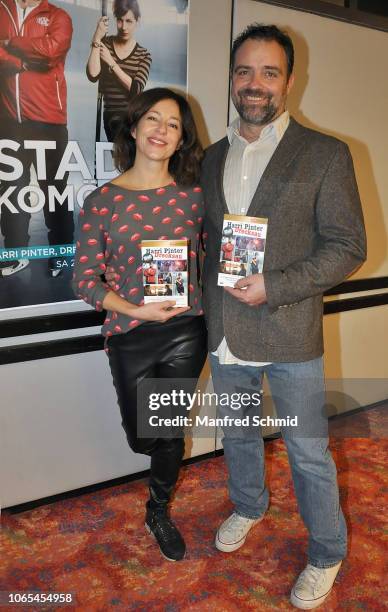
<point>119,63</point>
<point>155,198</point>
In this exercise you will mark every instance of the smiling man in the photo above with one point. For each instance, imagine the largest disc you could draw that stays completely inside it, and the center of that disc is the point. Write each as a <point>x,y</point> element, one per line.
<point>260,83</point>
<point>303,181</point>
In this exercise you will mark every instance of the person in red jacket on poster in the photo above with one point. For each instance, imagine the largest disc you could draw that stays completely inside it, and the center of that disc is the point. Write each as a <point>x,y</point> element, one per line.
<point>150,273</point>
<point>227,250</point>
<point>35,37</point>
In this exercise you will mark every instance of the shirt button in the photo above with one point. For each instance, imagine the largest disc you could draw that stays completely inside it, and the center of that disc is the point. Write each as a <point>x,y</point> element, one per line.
<point>243,210</point>
<point>245,178</point>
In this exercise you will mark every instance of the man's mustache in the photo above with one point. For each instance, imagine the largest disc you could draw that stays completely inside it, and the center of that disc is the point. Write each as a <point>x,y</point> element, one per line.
<point>257,93</point>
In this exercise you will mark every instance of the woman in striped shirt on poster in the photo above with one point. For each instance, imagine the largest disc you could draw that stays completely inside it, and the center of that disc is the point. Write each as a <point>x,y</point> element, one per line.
<point>119,63</point>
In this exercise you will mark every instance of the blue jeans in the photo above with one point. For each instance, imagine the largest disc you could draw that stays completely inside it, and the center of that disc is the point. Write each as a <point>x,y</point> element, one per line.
<point>298,391</point>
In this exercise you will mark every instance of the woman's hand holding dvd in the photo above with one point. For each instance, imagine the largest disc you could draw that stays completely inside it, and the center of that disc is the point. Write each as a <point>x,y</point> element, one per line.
<point>158,311</point>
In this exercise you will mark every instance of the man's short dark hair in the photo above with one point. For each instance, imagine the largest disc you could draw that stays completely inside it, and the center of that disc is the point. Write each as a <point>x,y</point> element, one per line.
<point>120,7</point>
<point>259,31</point>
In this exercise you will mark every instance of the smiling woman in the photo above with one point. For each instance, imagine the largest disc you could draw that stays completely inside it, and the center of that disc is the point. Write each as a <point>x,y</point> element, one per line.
<point>159,132</point>
<point>157,198</point>
<point>165,116</point>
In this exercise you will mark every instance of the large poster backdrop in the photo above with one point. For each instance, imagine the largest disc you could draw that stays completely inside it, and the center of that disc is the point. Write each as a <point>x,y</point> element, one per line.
<point>53,146</point>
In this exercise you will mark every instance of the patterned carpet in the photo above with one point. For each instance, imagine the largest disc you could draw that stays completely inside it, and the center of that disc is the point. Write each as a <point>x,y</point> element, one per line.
<point>95,546</point>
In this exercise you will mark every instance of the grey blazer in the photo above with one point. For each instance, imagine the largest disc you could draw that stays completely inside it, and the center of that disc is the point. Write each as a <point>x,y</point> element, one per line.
<point>315,238</point>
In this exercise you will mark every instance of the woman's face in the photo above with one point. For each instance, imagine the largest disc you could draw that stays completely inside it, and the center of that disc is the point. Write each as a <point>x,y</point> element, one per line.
<point>126,26</point>
<point>159,131</point>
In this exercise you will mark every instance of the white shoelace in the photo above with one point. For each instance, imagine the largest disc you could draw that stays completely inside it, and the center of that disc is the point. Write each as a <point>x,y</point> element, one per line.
<point>237,523</point>
<point>314,576</point>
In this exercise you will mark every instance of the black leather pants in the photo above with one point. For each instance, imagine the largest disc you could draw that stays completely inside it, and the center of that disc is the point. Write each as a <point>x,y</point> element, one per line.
<point>175,349</point>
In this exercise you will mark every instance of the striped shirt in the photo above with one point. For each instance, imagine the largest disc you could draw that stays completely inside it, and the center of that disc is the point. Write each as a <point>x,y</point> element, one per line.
<point>136,65</point>
<point>244,167</point>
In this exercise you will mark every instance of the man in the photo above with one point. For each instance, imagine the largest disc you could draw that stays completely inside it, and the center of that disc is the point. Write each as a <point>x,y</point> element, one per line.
<point>303,182</point>
<point>35,37</point>
<point>254,266</point>
<point>242,271</point>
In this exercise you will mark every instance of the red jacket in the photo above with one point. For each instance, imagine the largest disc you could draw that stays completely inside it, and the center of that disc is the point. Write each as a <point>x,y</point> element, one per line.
<point>32,79</point>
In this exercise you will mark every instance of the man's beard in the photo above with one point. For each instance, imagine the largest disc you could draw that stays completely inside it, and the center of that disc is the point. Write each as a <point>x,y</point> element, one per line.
<point>255,115</point>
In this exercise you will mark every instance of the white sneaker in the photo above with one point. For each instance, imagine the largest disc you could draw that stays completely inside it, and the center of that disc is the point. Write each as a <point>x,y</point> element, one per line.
<point>15,266</point>
<point>233,532</point>
<point>313,586</point>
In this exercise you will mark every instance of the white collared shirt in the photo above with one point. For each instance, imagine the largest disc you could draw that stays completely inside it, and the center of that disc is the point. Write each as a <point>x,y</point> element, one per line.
<point>244,167</point>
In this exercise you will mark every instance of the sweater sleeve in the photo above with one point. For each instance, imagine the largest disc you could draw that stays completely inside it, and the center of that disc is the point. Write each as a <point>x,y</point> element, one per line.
<point>140,80</point>
<point>91,252</point>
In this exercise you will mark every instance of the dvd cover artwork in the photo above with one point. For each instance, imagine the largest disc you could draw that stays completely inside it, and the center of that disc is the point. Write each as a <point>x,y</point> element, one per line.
<point>165,271</point>
<point>242,248</point>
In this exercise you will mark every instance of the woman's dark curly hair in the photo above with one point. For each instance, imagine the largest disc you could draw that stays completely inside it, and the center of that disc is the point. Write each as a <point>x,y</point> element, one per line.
<point>185,164</point>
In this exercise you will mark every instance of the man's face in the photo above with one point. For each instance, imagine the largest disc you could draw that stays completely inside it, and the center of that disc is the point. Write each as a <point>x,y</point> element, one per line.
<point>259,81</point>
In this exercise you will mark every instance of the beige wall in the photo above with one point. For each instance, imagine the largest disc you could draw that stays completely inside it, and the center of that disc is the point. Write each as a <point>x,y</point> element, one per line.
<point>208,65</point>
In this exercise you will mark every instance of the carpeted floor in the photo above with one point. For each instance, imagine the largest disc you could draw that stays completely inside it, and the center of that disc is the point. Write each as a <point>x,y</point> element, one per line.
<point>95,546</point>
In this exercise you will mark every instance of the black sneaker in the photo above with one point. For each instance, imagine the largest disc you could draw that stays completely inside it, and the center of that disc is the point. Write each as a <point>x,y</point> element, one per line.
<point>55,272</point>
<point>171,543</point>
<point>55,266</point>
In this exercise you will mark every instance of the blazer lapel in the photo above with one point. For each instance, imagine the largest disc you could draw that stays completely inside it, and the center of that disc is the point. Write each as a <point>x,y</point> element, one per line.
<point>276,170</point>
<point>218,178</point>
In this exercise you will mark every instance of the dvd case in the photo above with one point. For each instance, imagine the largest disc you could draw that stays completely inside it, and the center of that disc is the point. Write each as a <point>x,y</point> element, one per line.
<point>242,248</point>
<point>165,271</point>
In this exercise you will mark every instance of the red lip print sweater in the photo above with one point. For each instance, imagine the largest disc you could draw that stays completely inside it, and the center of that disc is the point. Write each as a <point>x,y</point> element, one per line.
<point>112,223</point>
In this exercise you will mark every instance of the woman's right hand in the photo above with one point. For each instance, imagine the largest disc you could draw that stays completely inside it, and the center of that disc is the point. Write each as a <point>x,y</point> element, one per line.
<point>155,311</point>
<point>101,30</point>
<point>158,311</point>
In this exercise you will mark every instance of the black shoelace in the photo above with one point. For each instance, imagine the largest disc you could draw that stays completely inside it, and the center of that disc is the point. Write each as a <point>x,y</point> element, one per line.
<point>166,527</point>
